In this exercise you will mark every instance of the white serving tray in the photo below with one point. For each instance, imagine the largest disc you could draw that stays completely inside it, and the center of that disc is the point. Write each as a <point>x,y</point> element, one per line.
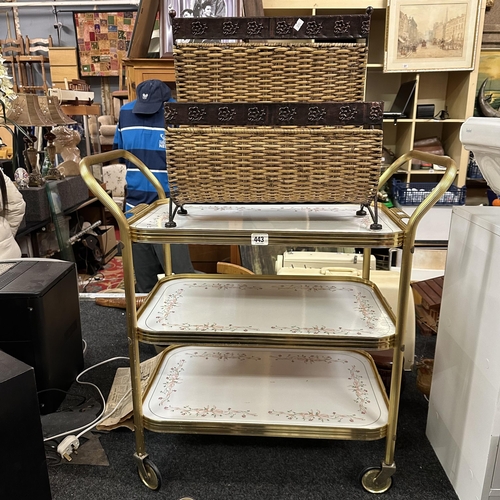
<point>262,391</point>
<point>317,223</point>
<point>245,307</point>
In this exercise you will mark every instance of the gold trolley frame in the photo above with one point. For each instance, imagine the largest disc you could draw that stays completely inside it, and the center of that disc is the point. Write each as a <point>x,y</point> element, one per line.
<point>375,479</point>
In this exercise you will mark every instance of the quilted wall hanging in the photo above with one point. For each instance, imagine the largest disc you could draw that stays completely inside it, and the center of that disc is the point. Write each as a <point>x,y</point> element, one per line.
<point>103,39</point>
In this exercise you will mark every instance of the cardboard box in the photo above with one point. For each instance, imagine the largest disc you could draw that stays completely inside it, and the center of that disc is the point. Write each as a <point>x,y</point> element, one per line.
<point>107,242</point>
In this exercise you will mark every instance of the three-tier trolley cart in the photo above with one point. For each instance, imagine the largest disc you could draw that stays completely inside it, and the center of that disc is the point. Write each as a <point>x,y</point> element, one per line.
<point>270,143</point>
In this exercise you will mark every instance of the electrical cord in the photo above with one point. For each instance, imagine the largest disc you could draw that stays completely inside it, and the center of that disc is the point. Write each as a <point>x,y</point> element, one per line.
<point>92,424</point>
<point>83,398</point>
<point>442,115</point>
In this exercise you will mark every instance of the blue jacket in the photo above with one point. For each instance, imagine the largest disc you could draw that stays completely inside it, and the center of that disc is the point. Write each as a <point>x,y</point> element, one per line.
<point>143,136</point>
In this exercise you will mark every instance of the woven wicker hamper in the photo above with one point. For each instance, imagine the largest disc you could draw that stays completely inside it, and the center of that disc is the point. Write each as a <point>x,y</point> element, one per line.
<point>273,164</point>
<point>256,72</point>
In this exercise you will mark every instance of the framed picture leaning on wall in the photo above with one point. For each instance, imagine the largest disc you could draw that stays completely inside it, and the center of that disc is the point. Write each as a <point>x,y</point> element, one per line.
<point>431,35</point>
<point>193,8</point>
<point>488,84</point>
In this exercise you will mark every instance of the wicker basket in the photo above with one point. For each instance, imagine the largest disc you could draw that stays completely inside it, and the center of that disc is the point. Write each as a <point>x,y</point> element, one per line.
<point>273,165</point>
<point>256,72</point>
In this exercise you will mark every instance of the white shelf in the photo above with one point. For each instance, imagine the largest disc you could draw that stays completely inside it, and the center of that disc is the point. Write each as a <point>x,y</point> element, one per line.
<point>427,172</point>
<point>261,391</point>
<point>443,122</point>
<point>253,309</point>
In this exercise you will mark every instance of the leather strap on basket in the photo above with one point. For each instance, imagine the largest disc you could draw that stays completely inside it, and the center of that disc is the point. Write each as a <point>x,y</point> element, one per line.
<point>367,114</point>
<point>335,28</point>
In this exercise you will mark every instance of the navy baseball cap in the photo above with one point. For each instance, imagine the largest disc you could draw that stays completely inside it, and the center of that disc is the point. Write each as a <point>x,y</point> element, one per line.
<point>151,95</point>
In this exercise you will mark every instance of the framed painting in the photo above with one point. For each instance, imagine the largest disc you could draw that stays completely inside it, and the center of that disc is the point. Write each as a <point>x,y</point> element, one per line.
<point>102,39</point>
<point>192,8</point>
<point>431,35</point>
<point>488,84</point>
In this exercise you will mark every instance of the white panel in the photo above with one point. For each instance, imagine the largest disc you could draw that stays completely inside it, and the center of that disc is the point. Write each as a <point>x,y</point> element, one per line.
<point>463,410</point>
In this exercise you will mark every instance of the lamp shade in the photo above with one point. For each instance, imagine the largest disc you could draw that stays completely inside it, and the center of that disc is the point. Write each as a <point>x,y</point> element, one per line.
<point>50,107</point>
<point>25,111</point>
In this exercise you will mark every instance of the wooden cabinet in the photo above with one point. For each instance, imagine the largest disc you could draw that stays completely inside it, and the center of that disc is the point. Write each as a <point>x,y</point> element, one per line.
<point>142,68</point>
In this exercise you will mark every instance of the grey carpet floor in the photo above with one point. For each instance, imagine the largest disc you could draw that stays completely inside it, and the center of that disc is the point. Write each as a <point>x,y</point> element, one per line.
<point>243,468</point>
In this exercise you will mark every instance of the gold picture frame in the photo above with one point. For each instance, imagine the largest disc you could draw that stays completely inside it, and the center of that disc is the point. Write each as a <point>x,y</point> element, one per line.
<point>431,35</point>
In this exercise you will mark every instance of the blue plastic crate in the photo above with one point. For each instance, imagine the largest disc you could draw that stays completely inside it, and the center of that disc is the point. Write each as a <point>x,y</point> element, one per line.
<point>413,193</point>
<point>473,171</point>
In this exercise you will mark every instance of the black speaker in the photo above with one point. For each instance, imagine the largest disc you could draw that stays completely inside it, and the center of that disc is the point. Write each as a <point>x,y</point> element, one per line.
<point>425,110</point>
<point>40,311</point>
<point>22,461</point>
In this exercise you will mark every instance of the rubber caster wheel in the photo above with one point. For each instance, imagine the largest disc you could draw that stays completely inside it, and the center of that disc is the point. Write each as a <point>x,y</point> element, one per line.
<point>369,484</point>
<point>152,479</point>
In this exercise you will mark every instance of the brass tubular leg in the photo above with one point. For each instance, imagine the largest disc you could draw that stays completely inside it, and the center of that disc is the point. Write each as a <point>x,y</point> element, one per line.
<point>397,362</point>
<point>128,271</point>
<point>168,260</point>
<point>133,344</point>
<point>366,263</point>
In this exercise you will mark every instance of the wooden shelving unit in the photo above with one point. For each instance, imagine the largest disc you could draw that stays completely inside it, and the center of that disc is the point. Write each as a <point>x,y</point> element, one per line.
<point>453,91</point>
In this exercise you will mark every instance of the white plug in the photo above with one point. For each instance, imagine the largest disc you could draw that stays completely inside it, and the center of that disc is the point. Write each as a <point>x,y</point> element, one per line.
<point>67,446</point>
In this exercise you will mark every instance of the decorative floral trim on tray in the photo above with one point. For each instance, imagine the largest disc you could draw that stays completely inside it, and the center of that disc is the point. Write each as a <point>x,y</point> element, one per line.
<point>173,379</point>
<point>223,356</point>
<point>209,411</point>
<point>361,302</point>
<point>315,415</point>
<point>312,358</point>
<point>211,327</point>
<point>318,330</point>
<point>160,216</point>
<point>313,287</point>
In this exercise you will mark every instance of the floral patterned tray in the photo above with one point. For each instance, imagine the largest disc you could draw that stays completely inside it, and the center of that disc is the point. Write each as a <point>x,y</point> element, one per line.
<point>312,223</point>
<point>185,309</point>
<point>256,391</point>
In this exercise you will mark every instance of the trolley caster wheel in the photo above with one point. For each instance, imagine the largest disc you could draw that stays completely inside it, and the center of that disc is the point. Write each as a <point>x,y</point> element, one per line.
<point>361,212</point>
<point>152,479</point>
<point>182,211</point>
<point>369,483</point>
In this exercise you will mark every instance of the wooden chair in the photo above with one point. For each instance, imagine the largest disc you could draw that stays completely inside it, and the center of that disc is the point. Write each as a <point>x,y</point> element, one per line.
<point>36,54</point>
<point>12,50</point>
<point>228,268</point>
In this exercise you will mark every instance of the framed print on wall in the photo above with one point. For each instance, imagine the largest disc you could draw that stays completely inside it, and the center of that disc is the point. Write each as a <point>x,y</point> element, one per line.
<point>431,35</point>
<point>192,8</point>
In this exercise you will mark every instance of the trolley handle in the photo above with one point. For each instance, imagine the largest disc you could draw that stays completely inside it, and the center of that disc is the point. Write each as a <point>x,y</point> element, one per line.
<point>442,186</point>
<point>88,176</point>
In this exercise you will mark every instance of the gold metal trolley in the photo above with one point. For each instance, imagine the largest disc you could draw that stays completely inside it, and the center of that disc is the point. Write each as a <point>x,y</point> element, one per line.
<point>268,355</point>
